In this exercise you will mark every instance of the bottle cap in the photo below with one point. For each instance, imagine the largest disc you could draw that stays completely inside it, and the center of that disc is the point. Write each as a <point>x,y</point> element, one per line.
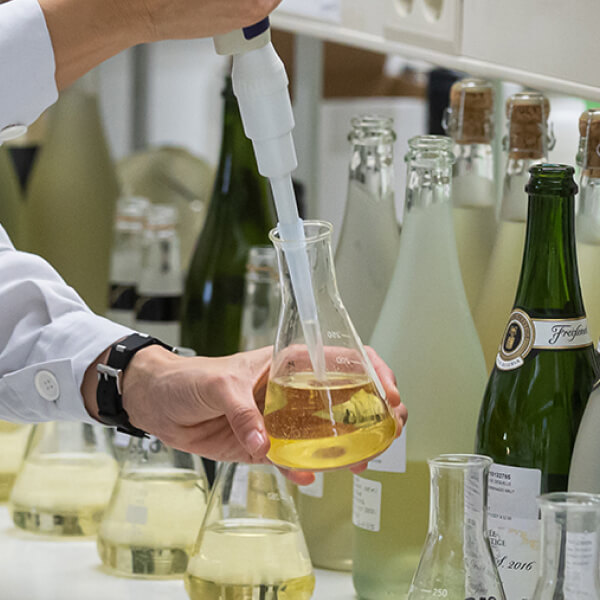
<point>131,213</point>
<point>162,216</point>
<point>469,120</point>
<point>528,132</point>
<point>588,157</point>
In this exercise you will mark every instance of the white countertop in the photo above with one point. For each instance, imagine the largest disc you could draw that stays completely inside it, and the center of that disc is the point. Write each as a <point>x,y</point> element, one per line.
<point>33,568</point>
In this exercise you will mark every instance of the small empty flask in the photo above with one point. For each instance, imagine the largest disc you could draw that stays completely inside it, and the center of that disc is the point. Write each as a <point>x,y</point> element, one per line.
<point>331,420</point>
<point>250,545</point>
<point>457,561</point>
<point>13,440</point>
<point>569,547</point>
<point>155,511</point>
<point>65,480</point>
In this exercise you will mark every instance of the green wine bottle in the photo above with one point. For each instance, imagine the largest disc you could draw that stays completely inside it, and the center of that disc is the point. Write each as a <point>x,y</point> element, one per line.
<point>537,392</point>
<point>239,216</point>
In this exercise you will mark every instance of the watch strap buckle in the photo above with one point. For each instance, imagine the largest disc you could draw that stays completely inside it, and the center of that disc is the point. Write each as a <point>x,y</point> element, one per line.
<point>107,371</point>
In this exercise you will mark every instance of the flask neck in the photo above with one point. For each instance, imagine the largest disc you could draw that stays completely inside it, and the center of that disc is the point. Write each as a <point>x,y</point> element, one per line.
<point>549,281</point>
<point>588,210</point>
<point>513,206</point>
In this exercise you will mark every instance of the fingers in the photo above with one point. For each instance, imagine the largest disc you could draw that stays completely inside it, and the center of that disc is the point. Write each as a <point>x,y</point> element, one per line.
<point>247,424</point>
<point>356,469</point>
<point>386,376</point>
<point>299,477</point>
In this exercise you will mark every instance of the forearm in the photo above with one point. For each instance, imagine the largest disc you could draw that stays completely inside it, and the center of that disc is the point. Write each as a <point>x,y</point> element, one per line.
<point>86,32</point>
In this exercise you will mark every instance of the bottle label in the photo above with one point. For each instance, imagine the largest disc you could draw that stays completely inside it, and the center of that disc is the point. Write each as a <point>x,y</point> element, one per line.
<point>581,562</point>
<point>523,334</point>
<point>393,460</point>
<point>514,527</point>
<point>315,489</point>
<point>366,504</point>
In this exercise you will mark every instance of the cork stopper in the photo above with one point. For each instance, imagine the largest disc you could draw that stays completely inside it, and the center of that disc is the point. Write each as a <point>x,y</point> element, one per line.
<point>470,118</point>
<point>589,146</point>
<point>527,114</point>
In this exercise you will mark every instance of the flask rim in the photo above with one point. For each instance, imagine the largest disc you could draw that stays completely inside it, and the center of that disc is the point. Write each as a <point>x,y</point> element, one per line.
<point>323,233</point>
<point>460,461</point>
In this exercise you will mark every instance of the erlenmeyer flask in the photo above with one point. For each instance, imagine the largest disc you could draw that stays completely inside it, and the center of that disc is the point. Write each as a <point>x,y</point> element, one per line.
<point>156,509</point>
<point>569,547</point>
<point>457,561</point>
<point>65,480</point>
<point>338,420</point>
<point>250,545</point>
<point>13,440</point>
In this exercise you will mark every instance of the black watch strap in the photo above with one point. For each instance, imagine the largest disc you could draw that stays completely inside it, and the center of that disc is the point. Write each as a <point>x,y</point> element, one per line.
<point>109,395</point>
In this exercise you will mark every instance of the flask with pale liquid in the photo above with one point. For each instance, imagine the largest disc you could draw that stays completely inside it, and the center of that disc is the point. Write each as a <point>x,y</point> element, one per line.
<point>426,335</point>
<point>527,142</point>
<point>160,286</point>
<point>469,122</point>
<point>250,544</point>
<point>322,421</point>
<point>126,259</point>
<point>71,195</point>
<point>587,218</point>
<point>65,480</point>
<point>155,512</point>
<point>457,560</point>
<point>13,441</point>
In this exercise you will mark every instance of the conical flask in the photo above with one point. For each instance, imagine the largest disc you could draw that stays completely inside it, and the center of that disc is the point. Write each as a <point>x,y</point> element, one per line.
<point>250,545</point>
<point>13,440</point>
<point>65,480</point>
<point>343,418</point>
<point>457,560</point>
<point>570,542</point>
<point>156,509</point>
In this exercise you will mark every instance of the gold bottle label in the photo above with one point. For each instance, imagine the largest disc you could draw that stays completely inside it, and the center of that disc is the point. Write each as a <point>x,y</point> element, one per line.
<point>523,334</point>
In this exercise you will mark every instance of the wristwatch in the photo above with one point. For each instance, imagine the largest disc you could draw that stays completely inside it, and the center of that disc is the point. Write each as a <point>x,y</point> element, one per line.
<point>109,394</point>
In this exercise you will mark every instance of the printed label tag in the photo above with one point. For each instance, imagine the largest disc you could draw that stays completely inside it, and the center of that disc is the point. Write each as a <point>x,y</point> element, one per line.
<point>315,489</point>
<point>514,528</point>
<point>523,334</point>
<point>366,505</point>
<point>580,565</point>
<point>393,460</point>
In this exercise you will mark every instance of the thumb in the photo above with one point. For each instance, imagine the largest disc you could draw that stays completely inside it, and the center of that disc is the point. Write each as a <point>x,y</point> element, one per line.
<point>247,423</point>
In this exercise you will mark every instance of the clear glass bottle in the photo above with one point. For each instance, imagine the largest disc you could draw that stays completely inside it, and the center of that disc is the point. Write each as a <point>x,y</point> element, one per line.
<point>527,142</point>
<point>322,423</point>
<point>65,480</point>
<point>457,560</point>
<point>538,390</point>
<point>155,511</point>
<point>587,218</point>
<point>570,541</point>
<point>126,259</point>
<point>72,193</point>
<point>469,122</point>
<point>13,441</point>
<point>426,335</point>
<point>157,310</point>
<point>370,235</point>
<point>250,544</point>
<point>262,299</point>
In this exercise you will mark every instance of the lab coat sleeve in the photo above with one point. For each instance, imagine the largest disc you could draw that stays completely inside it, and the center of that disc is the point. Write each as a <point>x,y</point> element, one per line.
<point>48,338</point>
<point>27,85</point>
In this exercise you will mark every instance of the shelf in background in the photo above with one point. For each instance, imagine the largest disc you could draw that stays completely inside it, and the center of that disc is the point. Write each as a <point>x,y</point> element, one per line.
<point>546,44</point>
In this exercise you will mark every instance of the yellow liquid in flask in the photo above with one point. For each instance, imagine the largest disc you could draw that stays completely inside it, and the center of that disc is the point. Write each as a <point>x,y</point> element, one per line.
<point>321,426</point>
<point>248,559</point>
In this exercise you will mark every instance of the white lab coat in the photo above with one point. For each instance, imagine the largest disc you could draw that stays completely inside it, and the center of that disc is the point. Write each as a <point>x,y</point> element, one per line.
<point>48,336</point>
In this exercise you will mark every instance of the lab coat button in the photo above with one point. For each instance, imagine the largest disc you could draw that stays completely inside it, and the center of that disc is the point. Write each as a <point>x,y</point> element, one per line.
<point>47,385</point>
<point>12,131</point>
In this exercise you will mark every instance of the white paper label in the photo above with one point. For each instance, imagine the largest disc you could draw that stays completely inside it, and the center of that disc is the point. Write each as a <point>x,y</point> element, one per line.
<point>324,10</point>
<point>581,562</point>
<point>393,460</point>
<point>315,489</point>
<point>553,334</point>
<point>366,505</point>
<point>514,528</point>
